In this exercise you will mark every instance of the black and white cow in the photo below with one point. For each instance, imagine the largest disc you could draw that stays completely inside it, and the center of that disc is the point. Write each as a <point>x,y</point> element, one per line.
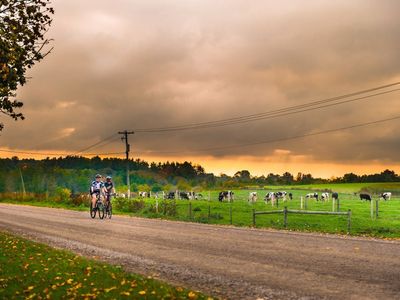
<point>325,196</point>
<point>270,196</point>
<point>143,194</point>
<point>183,195</point>
<point>386,196</point>
<point>312,195</point>
<point>364,196</point>
<point>252,197</point>
<point>225,195</point>
<point>169,195</point>
<point>335,196</point>
<point>280,195</point>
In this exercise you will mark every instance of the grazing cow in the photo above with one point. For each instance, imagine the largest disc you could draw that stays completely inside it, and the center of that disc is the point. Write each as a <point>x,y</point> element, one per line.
<point>270,196</point>
<point>281,195</point>
<point>335,196</point>
<point>366,197</point>
<point>290,196</point>
<point>312,195</point>
<point>252,197</point>
<point>225,195</point>
<point>169,195</point>
<point>143,194</point>
<point>325,196</point>
<point>386,196</point>
<point>183,195</point>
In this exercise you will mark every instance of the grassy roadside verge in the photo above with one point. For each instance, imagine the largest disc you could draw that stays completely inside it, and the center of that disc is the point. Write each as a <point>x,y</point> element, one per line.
<point>30,270</point>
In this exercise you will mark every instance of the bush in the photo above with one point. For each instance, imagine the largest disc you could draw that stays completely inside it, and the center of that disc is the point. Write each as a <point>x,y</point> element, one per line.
<point>62,194</point>
<point>136,205</point>
<point>128,205</point>
<point>168,208</point>
<point>80,199</point>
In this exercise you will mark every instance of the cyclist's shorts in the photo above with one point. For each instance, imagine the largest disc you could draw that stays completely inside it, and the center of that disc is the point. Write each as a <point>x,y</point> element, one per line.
<point>94,192</point>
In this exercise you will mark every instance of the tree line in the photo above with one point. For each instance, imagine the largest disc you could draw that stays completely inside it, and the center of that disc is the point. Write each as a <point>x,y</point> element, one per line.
<point>75,173</point>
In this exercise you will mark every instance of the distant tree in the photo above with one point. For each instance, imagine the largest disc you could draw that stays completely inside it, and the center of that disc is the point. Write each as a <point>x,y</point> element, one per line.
<point>350,178</point>
<point>143,188</point>
<point>287,178</point>
<point>23,25</point>
<point>243,176</point>
<point>156,188</point>
<point>183,185</point>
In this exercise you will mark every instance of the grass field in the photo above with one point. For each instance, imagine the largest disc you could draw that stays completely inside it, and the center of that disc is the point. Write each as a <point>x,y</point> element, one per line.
<point>387,225</point>
<point>30,270</point>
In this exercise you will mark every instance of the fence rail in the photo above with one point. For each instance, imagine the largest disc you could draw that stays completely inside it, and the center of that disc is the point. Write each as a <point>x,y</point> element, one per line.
<point>286,211</point>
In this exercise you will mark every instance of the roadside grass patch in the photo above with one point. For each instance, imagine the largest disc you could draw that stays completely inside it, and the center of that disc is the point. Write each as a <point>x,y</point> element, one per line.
<point>30,270</point>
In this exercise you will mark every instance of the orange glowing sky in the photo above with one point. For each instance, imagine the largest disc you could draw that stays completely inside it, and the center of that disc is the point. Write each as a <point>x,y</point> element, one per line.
<point>141,64</point>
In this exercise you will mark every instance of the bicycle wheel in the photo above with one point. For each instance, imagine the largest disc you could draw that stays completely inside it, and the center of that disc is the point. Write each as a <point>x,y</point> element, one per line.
<point>92,211</point>
<point>100,208</point>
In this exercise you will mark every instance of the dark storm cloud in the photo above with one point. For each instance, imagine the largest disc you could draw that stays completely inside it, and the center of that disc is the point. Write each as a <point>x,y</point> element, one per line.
<point>137,64</point>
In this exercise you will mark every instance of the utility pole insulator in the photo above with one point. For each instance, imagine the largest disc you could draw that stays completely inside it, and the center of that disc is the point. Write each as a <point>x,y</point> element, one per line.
<point>125,135</point>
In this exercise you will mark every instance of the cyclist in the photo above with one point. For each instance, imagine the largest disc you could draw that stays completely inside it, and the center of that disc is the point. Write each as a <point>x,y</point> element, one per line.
<point>109,189</point>
<point>96,188</point>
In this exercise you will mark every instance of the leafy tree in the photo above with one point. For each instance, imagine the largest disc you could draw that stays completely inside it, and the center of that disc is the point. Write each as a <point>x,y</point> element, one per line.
<point>243,176</point>
<point>23,25</point>
<point>183,185</point>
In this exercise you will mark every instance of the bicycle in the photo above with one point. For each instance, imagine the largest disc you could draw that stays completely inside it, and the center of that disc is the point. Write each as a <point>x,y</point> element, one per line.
<point>108,206</point>
<point>98,208</point>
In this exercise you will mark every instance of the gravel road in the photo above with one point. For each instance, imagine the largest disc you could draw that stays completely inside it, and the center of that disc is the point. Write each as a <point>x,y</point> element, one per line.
<point>233,263</point>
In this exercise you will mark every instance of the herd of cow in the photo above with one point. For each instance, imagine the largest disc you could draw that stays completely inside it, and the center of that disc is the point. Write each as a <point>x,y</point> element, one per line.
<point>270,197</point>
<point>274,196</point>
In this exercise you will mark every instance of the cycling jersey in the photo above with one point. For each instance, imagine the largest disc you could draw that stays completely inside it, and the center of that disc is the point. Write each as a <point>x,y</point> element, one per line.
<point>96,186</point>
<point>109,186</point>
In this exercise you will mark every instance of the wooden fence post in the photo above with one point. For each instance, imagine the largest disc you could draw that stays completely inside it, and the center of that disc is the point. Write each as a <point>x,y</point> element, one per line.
<point>338,205</point>
<point>285,213</point>
<point>157,206</point>
<point>333,205</point>
<point>372,209</point>
<point>377,208</point>
<point>190,210</point>
<point>254,217</point>
<point>305,203</point>
<point>301,202</point>
<point>230,213</point>
<point>209,205</point>
<point>348,221</point>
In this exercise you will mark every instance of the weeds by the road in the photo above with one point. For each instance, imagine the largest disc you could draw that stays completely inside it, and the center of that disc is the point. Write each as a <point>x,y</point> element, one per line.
<point>30,270</point>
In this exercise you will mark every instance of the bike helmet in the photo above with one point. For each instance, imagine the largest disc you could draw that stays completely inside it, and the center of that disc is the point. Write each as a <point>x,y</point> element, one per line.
<point>108,177</point>
<point>98,176</point>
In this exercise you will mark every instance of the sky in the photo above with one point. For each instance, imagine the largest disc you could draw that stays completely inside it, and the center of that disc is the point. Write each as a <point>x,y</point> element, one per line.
<point>128,64</point>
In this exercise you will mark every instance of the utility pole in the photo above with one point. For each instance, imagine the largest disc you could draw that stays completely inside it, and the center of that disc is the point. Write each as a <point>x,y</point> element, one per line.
<point>125,134</point>
<point>22,183</point>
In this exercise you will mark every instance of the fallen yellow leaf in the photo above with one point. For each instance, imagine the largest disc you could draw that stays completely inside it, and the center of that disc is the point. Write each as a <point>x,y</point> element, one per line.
<point>110,289</point>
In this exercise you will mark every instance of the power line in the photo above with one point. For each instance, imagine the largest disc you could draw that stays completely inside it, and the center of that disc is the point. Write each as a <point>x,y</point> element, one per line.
<point>57,154</point>
<point>97,144</point>
<point>277,140</point>
<point>274,113</point>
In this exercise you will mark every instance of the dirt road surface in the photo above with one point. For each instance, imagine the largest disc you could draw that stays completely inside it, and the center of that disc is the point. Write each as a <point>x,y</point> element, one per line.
<point>233,263</point>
